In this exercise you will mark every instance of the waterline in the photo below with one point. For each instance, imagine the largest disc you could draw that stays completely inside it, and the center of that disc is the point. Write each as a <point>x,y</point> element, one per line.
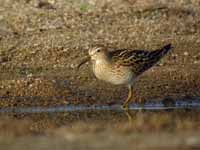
<point>179,104</point>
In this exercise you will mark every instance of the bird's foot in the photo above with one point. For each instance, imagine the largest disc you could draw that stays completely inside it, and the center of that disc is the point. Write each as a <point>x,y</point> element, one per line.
<point>125,106</point>
<point>137,100</point>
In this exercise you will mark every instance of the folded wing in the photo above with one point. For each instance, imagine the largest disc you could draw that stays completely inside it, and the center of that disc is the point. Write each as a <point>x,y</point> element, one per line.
<point>138,60</point>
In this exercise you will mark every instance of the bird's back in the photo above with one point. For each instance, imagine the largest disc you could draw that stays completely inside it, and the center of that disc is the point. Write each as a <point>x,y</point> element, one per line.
<point>138,60</point>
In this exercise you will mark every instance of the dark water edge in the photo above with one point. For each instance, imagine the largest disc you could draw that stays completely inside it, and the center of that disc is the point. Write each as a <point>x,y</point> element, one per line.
<point>158,105</point>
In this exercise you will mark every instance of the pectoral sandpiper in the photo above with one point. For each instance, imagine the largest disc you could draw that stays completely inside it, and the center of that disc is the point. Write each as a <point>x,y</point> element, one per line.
<point>123,66</point>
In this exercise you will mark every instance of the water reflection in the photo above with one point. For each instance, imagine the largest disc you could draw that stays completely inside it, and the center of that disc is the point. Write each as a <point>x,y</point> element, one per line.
<point>178,104</point>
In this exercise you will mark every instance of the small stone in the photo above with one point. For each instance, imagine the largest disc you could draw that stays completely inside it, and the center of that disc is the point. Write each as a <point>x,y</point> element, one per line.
<point>196,62</point>
<point>185,53</point>
<point>72,66</point>
<point>51,2</point>
<point>30,85</point>
<point>30,75</point>
<point>1,17</point>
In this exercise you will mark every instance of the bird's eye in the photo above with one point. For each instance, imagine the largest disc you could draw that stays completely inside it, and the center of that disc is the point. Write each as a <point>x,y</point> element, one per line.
<point>98,50</point>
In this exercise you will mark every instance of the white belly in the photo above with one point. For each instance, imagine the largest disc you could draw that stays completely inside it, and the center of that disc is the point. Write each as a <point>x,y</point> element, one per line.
<point>124,76</point>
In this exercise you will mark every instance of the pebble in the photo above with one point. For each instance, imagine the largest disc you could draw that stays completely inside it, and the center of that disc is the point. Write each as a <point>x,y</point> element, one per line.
<point>30,75</point>
<point>72,66</point>
<point>185,53</point>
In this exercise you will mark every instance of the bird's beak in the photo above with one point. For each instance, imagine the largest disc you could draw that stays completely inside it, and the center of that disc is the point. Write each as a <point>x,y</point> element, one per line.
<point>86,59</point>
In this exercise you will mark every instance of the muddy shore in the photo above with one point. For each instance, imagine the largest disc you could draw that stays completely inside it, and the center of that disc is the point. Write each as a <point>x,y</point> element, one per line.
<point>42,41</point>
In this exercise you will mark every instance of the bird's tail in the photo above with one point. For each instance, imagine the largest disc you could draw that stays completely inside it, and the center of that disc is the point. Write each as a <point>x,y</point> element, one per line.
<point>159,53</point>
<point>153,57</point>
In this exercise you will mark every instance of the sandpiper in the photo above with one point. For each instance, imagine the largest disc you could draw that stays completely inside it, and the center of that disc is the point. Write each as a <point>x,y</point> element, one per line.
<point>122,66</point>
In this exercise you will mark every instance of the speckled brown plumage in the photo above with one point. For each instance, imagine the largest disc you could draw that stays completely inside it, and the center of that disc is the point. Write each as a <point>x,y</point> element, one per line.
<point>138,60</point>
<point>123,66</point>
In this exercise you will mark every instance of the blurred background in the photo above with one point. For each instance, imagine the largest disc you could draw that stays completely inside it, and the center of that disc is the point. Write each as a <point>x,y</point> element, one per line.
<point>42,41</point>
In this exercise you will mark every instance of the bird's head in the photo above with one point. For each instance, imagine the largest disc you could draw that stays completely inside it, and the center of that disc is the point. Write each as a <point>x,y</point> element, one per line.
<point>95,54</point>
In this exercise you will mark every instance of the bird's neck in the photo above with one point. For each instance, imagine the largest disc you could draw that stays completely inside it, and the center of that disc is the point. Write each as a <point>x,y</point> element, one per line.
<point>102,61</point>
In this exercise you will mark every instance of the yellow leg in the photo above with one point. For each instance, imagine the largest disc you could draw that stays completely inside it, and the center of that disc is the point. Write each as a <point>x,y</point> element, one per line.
<point>130,95</point>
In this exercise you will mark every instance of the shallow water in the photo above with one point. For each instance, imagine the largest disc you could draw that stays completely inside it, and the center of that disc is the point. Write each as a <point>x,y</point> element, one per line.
<point>161,105</point>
